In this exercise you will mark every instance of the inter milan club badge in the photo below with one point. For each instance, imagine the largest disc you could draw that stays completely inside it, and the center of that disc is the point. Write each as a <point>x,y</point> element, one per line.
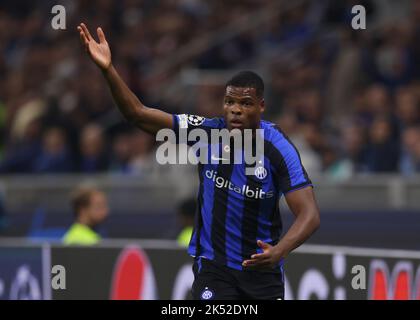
<point>260,172</point>
<point>207,294</point>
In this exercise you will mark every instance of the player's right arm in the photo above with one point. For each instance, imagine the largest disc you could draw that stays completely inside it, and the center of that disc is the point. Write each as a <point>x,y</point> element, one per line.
<point>147,119</point>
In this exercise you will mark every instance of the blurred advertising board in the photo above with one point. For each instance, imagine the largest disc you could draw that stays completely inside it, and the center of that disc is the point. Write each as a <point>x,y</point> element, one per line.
<point>159,271</point>
<point>22,274</point>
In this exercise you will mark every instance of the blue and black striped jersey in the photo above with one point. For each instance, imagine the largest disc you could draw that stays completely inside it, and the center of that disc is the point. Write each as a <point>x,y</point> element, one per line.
<point>234,209</point>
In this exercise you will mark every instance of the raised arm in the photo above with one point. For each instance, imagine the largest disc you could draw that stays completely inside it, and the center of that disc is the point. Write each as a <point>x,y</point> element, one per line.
<point>147,119</point>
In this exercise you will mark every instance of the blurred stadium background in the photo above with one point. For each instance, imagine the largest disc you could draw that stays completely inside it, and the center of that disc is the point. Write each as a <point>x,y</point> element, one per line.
<point>349,99</point>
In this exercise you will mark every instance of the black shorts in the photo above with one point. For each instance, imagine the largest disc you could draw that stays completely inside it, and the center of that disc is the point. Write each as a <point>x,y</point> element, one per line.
<point>217,282</point>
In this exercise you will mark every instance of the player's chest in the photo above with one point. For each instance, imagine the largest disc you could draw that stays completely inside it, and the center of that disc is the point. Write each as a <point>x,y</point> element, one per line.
<point>238,181</point>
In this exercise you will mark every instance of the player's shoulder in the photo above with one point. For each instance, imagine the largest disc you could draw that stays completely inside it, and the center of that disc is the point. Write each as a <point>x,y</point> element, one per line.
<point>276,139</point>
<point>192,120</point>
<point>273,133</point>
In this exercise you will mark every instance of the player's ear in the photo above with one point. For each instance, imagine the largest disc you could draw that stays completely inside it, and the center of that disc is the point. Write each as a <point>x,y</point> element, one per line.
<point>262,105</point>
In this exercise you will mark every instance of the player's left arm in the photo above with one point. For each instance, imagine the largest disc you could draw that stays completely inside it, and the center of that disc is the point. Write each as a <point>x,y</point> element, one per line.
<point>303,205</point>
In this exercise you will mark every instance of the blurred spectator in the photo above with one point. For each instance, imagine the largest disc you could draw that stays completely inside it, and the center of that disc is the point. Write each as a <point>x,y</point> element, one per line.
<point>288,123</point>
<point>354,137</point>
<point>25,139</point>
<point>186,213</point>
<point>121,153</point>
<point>410,153</point>
<point>302,53</point>
<point>334,166</point>
<point>141,156</point>
<point>311,147</point>
<point>3,217</point>
<point>92,149</point>
<point>383,150</point>
<point>407,107</point>
<point>310,109</point>
<point>375,102</point>
<point>389,60</point>
<point>55,155</point>
<point>2,129</point>
<point>90,208</point>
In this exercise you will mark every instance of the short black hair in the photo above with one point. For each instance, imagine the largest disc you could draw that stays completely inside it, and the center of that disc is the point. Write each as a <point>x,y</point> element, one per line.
<point>247,79</point>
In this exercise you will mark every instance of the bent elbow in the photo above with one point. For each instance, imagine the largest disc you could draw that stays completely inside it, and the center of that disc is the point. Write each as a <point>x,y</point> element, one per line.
<point>135,116</point>
<point>316,220</point>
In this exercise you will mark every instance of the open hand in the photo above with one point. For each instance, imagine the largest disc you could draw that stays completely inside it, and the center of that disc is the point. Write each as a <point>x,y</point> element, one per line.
<point>100,52</point>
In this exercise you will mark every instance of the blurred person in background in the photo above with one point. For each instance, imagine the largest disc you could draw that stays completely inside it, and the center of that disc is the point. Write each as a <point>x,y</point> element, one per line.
<point>312,145</point>
<point>90,208</point>
<point>310,107</point>
<point>24,140</point>
<point>407,107</point>
<point>186,214</point>
<point>55,155</point>
<point>389,59</point>
<point>288,122</point>
<point>410,151</point>
<point>375,101</point>
<point>121,153</point>
<point>353,137</point>
<point>306,137</point>
<point>383,149</point>
<point>2,129</point>
<point>335,166</point>
<point>382,62</point>
<point>141,152</point>
<point>93,155</point>
<point>3,221</point>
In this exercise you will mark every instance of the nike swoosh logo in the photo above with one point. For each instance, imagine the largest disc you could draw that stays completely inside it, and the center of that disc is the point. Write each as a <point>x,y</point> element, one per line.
<point>214,158</point>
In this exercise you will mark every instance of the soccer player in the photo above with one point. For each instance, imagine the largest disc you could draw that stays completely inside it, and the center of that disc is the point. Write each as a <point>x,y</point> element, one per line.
<point>236,244</point>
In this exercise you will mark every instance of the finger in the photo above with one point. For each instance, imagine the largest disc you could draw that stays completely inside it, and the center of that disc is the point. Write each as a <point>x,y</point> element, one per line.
<point>259,256</point>
<point>86,31</point>
<point>262,244</point>
<point>83,37</point>
<point>254,262</point>
<point>85,42</point>
<point>101,35</point>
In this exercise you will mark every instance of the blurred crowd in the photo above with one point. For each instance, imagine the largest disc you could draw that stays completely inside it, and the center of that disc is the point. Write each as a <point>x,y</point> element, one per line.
<point>348,98</point>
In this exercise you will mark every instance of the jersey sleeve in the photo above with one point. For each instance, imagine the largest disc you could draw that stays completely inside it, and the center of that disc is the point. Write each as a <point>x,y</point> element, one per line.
<point>185,123</point>
<point>290,172</point>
